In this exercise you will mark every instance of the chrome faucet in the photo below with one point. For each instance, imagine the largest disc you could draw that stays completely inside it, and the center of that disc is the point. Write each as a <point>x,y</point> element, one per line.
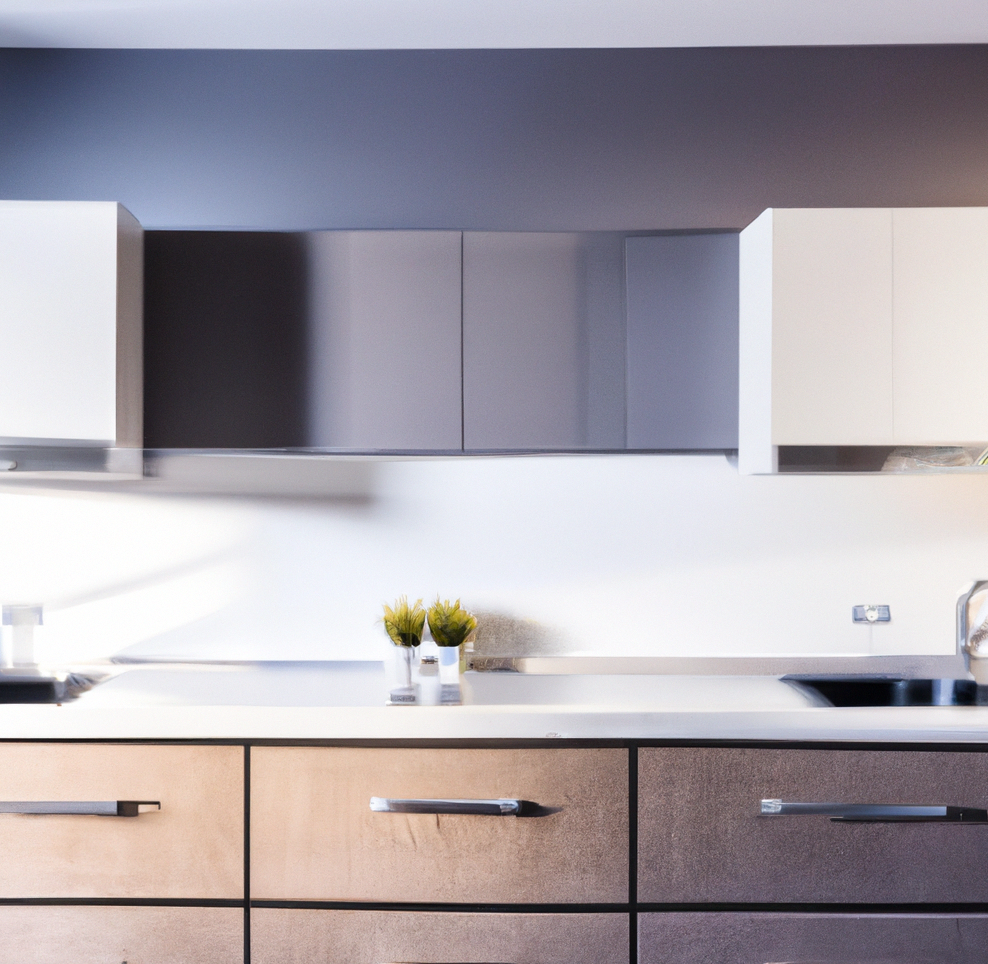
<point>973,644</point>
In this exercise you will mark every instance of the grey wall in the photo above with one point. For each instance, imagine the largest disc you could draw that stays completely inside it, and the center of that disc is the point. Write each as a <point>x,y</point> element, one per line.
<point>494,140</point>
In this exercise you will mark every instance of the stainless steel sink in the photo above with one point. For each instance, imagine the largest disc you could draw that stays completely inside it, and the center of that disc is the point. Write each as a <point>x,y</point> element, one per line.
<point>890,691</point>
<point>24,686</point>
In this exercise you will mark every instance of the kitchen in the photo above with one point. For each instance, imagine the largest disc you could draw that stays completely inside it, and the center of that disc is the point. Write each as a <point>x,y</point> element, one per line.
<point>700,560</point>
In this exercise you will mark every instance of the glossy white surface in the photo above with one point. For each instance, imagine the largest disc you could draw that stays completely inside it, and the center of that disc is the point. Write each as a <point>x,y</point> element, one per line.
<point>59,275</point>
<point>831,327</point>
<point>637,556</point>
<point>634,556</point>
<point>362,685</point>
<point>311,702</point>
<point>852,321</point>
<point>927,725</point>
<point>941,298</point>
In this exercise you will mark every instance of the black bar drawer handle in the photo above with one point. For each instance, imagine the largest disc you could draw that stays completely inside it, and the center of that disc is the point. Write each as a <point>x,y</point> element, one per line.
<point>876,812</point>
<point>480,808</point>
<point>81,808</point>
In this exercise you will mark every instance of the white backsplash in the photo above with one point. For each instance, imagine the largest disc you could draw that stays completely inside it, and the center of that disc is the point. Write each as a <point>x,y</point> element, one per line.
<point>617,555</point>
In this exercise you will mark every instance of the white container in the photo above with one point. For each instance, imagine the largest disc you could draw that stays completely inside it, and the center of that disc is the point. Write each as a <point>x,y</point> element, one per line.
<point>428,675</point>
<point>449,675</point>
<point>399,669</point>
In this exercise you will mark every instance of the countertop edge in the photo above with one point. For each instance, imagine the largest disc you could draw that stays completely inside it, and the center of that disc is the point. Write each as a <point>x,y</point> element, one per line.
<point>243,723</point>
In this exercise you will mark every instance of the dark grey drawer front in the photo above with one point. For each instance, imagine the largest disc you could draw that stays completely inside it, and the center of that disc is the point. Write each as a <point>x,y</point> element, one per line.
<point>763,938</point>
<point>281,936</point>
<point>107,935</point>
<point>701,838</point>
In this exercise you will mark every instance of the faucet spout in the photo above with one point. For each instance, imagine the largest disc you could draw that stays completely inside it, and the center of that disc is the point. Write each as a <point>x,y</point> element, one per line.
<point>971,641</point>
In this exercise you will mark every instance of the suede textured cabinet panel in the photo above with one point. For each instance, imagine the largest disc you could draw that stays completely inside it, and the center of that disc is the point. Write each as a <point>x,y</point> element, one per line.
<point>108,935</point>
<point>192,848</point>
<point>758,938</point>
<point>314,837</point>
<point>701,837</point>
<point>370,937</point>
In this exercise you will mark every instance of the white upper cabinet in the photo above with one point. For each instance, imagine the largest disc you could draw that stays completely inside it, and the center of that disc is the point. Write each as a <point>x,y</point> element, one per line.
<point>940,265</point>
<point>70,325</point>
<point>859,327</point>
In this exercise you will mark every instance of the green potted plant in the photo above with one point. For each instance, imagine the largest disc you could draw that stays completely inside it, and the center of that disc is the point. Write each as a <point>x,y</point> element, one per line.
<point>404,625</point>
<point>450,626</point>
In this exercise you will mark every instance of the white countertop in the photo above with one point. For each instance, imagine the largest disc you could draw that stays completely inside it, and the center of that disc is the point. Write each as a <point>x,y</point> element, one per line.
<point>896,725</point>
<point>317,702</point>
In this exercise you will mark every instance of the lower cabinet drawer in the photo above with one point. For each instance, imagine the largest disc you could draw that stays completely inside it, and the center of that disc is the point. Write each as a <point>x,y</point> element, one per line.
<point>315,837</point>
<point>767,938</point>
<point>100,935</point>
<point>381,937</point>
<point>191,848</point>
<point>703,839</point>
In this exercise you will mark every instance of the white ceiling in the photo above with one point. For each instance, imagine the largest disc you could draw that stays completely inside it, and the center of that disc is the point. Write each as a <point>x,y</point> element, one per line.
<point>427,24</point>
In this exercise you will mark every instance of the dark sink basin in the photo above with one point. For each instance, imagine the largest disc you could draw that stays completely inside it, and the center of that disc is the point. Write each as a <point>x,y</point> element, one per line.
<point>33,688</point>
<point>881,691</point>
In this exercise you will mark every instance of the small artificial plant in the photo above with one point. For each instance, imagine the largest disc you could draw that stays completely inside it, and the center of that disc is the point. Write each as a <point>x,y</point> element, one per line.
<point>404,623</point>
<point>449,624</point>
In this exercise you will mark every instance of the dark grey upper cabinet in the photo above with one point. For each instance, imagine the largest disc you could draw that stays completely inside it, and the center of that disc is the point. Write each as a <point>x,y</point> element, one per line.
<point>332,340</point>
<point>543,341</point>
<point>682,315</point>
<point>440,341</point>
<point>225,339</point>
<point>384,340</point>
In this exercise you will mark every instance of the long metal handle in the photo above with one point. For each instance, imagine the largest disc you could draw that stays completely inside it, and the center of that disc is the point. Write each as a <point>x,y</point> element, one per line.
<point>876,812</point>
<point>480,808</point>
<point>81,808</point>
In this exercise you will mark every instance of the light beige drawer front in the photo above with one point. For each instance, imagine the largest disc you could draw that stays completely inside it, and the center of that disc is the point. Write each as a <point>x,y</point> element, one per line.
<point>191,848</point>
<point>378,937</point>
<point>108,935</point>
<point>758,938</point>
<point>702,838</point>
<point>314,836</point>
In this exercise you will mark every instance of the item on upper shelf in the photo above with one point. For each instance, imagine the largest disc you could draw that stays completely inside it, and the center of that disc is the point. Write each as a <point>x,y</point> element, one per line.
<point>450,626</point>
<point>404,625</point>
<point>906,458</point>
